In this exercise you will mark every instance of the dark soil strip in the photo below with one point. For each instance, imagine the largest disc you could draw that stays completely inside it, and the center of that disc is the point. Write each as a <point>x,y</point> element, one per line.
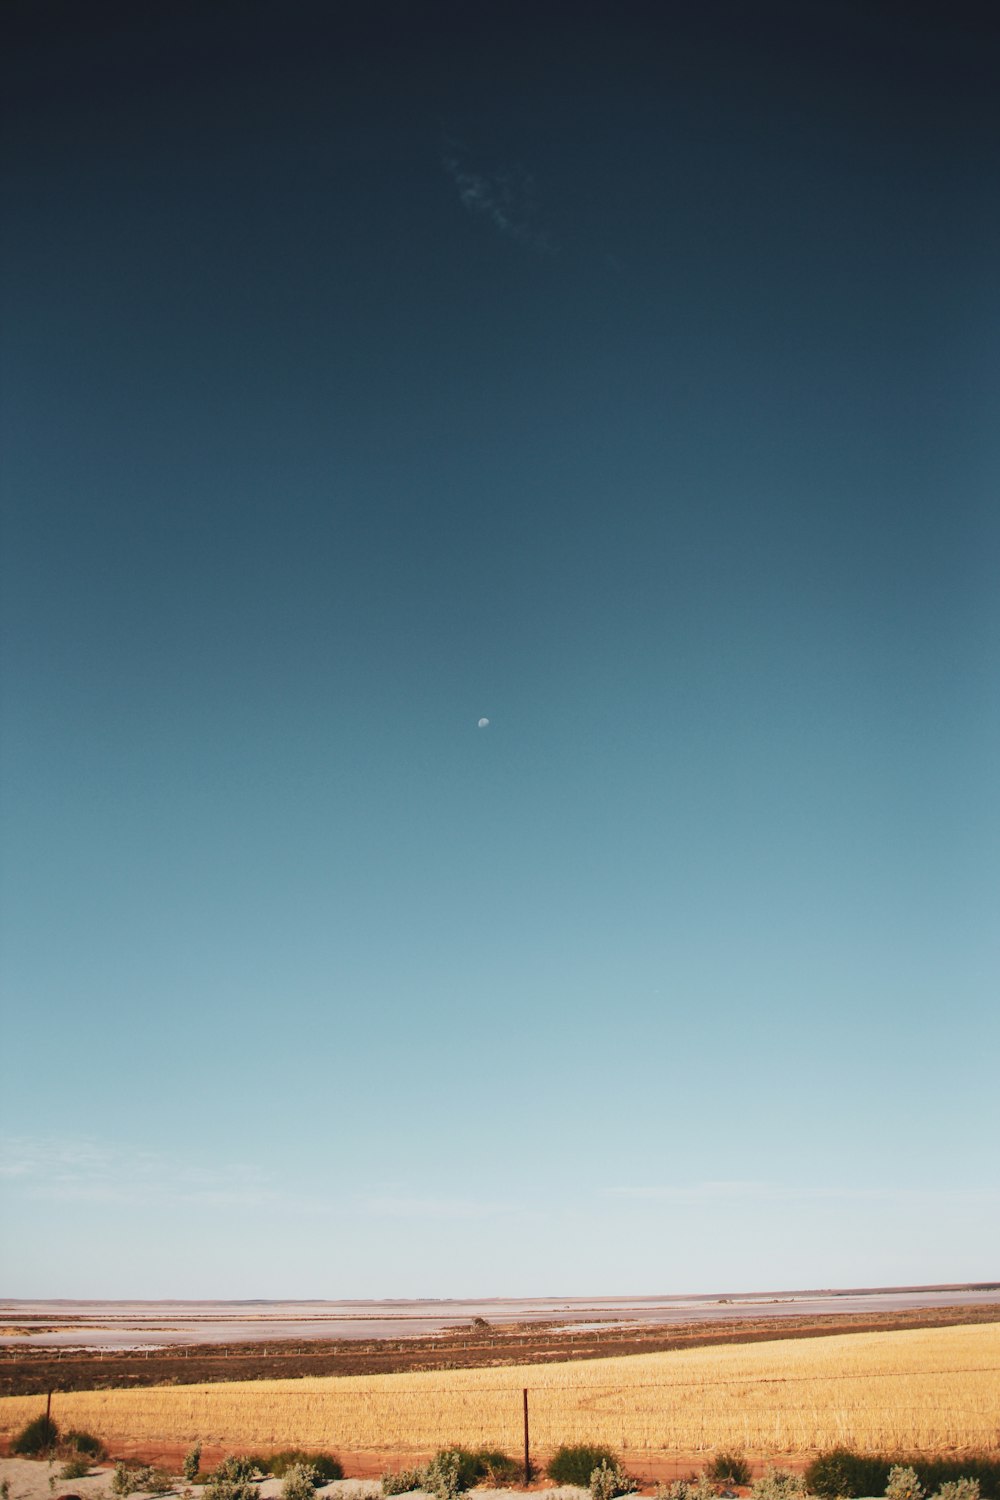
<point>36,1371</point>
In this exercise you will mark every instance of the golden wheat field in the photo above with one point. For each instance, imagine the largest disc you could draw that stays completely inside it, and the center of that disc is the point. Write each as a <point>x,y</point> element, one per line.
<point>932,1390</point>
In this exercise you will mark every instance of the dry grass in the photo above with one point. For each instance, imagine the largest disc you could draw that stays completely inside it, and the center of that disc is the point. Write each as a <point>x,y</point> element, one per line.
<point>929,1390</point>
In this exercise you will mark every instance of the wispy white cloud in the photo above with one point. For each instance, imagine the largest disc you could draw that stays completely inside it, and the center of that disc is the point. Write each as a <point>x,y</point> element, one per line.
<point>504,198</point>
<point>84,1170</point>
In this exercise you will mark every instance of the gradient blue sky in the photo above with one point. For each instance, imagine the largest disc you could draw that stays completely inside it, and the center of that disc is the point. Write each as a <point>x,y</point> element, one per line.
<point>630,379</point>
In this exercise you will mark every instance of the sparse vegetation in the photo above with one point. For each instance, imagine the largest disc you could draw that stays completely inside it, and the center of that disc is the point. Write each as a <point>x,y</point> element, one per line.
<point>144,1478</point>
<point>698,1487</point>
<point>75,1468</point>
<point>903,1484</point>
<point>845,1474</point>
<point>575,1463</point>
<point>192,1463</point>
<point>496,1469</point>
<point>443,1475</point>
<point>232,1480</point>
<point>326,1466</point>
<point>452,1471</point>
<point>86,1443</point>
<point>778,1484</point>
<point>481,1465</point>
<point>401,1481</point>
<point>959,1489</point>
<point>39,1436</point>
<point>936,1473</point>
<point>609,1480</point>
<point>728,1469</point>
<point>300,1482</point>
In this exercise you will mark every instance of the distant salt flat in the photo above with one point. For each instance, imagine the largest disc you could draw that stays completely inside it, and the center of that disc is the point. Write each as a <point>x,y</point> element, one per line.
<point>124,1325</point>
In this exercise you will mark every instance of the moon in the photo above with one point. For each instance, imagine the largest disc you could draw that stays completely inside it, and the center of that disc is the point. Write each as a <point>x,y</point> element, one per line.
<point>483,724</point>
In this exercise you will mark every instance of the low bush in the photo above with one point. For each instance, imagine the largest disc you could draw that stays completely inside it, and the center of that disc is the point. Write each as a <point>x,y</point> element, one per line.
<point>232,1480</point>
<point>192,1463</point>
<point>258,1467</point>
<point>935,1473</point>
<point>727,1469</point>
<point>40,1436</point>
<point>695,1487</point>
<point>300,1482</point>
<point>75,1468</point>
<point>778,1484</point>
<point>574,1464</point>
<point>903,1484</point>
<point>86,1443</point>
<point>326,1465</point>
<point>959,1489</point>
<point>610,1480</point>
<point>842,1474</point>
<point>443,1476</point>
<point>402,1481</point>
<point>477,1465</point>
<point>145,1478</point>
<point>497,1469</point>
<point>452,1471</point>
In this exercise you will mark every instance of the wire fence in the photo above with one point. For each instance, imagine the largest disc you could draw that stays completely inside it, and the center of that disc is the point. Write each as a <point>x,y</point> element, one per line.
<point>875,1410</point>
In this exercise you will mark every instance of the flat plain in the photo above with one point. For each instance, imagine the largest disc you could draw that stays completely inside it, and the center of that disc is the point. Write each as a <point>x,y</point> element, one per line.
<point>933,1390</point>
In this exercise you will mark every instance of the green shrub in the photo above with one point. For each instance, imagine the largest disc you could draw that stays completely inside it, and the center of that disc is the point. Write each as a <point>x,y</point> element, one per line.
<point>496,1469</point>
<point>86,1443</point>
<point>935,1473</point>
<point>728,1468</point>
<point>903,1484</point>
<point>258,1467</point>
<point>232,1480</point>
<point>75,1468</point>
<point>402,1481</point>
<point>478,1464</point>
<point>841,1472</point>
<point>146,1478</point>
<point>121,1479</point>
<point>192,1463</point>
<point>452,1471</point>
<point>326,1465</point>
<point>677,1490</point>
<point>692,1488</point>
<point>778,1484</point>
<point>959,1489</point>
<point>610,1480</point>
<point>574,1463</point>
<point>443,1475</point>
<point>40,1436</point>
<point>300,1482</point>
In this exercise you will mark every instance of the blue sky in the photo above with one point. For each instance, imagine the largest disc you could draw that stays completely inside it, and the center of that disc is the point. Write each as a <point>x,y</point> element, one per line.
<point>631,383</point>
